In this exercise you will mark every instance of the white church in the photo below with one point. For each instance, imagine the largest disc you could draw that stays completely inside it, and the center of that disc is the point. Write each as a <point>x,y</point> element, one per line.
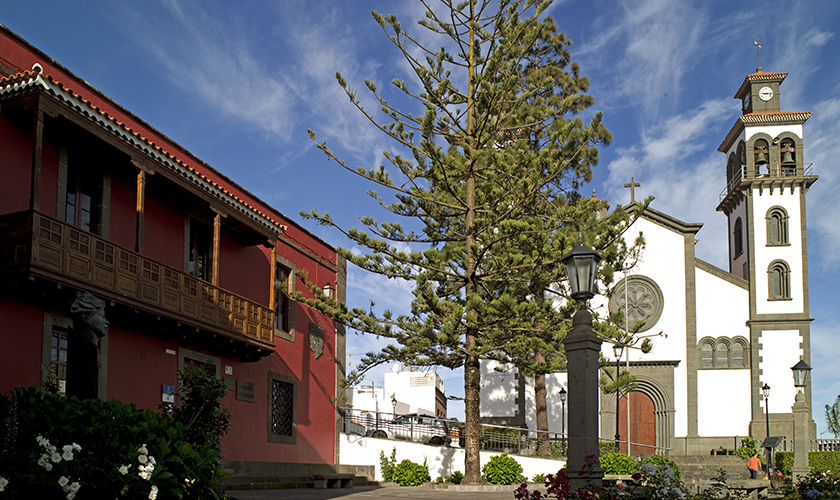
<point>729,331</point>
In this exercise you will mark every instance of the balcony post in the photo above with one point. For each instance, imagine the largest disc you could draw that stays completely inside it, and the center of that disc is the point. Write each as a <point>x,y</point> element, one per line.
<point>35,191</point>
<point>141,210</point>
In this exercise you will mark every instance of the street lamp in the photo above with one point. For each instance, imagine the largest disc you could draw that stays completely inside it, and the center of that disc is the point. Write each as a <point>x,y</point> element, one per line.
<point>583,348</point>
<point>563,418</point>
<point>801,371</point>
<point>394,404</point>
<point>801,416</point>
<point>581,267</point>
<point>618,350</point>
<point>766,391</point>
<point>328,290</point>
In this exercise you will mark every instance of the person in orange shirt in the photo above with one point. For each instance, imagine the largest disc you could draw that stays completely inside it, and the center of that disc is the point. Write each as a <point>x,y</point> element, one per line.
<point>754,464</point>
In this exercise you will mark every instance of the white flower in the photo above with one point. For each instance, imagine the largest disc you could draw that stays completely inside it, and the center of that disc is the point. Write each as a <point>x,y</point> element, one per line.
<point>74,486</point>
<point>77,447</point>
<point>48,466</point>
<point>55,457</point>
<point>143,450</point>
<point>152,460</point>
<point>124,470</point>
<point>142,459</point>
<point>3,483</point>
<point>153,493</point>
<point>124,490</point>
<point>62,481</point>
<point>67,455</point>
<point>71,496</point>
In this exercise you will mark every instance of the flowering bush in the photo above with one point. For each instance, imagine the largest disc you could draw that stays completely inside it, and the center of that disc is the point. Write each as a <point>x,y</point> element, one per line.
<point>813,486</point>
<point>650,482</point>
<point>59,447</point>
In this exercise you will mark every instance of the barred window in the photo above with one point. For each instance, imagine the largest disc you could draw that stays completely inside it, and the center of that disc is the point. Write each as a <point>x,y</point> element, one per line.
<point>282,397</point>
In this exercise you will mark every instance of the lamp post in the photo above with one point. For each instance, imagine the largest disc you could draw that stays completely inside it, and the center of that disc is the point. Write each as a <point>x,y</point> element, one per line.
<point>563,419</point>
<point>618,350</point>
<point>394,404</point>
<point>582,352</point>
<point>801,418</point>
<point>766,391</point>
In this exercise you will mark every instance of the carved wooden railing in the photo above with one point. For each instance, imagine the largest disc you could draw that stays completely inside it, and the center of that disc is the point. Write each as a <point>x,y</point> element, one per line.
<point>31,239</point>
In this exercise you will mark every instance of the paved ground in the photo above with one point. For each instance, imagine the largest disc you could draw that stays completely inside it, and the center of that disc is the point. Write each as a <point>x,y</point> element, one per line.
<point>366,492</point>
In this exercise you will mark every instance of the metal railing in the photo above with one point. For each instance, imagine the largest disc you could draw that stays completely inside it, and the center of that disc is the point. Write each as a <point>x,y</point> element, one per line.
<point>495,438</point>
<point>762,172</point>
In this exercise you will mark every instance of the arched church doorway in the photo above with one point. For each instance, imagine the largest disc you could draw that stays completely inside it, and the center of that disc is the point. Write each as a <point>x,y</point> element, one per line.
<point>642,424</point>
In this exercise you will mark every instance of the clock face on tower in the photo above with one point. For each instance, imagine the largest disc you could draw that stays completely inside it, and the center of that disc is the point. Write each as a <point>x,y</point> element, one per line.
<point>746,102</point>
<point>765,94</point>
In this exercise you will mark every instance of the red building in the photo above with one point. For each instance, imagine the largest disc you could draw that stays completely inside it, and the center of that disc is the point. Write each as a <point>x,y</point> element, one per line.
<point>101,214</point>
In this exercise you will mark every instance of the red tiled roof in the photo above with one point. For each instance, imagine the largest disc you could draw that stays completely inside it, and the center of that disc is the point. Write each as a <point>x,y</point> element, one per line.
<point>24,81</point>
<point>762,76</point>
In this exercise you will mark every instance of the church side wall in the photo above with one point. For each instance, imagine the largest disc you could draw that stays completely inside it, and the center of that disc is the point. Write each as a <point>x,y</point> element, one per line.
<point>723,402</point>
<point>723,393</point>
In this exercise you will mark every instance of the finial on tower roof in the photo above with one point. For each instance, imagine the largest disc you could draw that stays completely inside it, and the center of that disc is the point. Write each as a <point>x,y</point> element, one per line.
<point>758,54</point>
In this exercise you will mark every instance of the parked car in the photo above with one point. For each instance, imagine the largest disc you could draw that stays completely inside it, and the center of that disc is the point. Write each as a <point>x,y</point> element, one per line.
<point>413,427</point>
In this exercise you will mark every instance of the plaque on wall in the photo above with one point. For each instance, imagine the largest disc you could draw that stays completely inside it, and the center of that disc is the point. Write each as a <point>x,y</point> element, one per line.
<point>641,299</point>
<point>245,391</point>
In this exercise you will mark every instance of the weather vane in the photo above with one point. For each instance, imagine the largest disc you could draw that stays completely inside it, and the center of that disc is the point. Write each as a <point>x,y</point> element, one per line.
<point>758,54</point>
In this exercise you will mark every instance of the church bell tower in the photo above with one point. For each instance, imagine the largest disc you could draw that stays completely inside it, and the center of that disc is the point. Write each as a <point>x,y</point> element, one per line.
<point>764,202</point>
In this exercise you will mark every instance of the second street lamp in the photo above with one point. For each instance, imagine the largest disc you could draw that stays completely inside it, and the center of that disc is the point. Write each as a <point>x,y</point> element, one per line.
<point>563,419</point>
<point>618,350</point>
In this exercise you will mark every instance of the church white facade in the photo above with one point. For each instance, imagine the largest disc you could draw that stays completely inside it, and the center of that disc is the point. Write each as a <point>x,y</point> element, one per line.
<point>727,333</point>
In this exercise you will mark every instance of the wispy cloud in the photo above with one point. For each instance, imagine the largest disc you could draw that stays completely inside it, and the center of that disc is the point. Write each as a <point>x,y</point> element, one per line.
<point>685,186</point>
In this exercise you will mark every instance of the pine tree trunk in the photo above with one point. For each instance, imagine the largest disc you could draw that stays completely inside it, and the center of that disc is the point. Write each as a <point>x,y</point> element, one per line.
<point>544,446</point>
<point>472,372</point>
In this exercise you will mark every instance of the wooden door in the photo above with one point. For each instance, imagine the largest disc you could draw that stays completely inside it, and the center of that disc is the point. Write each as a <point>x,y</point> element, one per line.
<point>642,424</point>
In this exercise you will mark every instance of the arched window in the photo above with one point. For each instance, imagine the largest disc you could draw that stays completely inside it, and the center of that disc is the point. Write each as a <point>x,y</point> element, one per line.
<point>738,237</point>
<point>778,277</point>
<point>787,151</point>
<point>721,354</point>
<point>731,169</point>
<point>742,155</point>
<point>706,354</point>
<point>761,155</point>
<point>777,226</point>
<point>737,351</point>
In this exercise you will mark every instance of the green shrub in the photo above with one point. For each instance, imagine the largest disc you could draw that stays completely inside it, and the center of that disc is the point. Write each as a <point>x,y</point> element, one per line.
<point>818,461</point>
<point>662,460</point>
<point>108,436</point>
<point>408,473</point>
<point>199,409</point>
<point>823,461</point>
<point>748,447</point>
<point>539,478</point>
<point>455,478</point>
<point>386,465</point>
<point>617,463</point>
<point>783,461</point>
<point>502,469</point>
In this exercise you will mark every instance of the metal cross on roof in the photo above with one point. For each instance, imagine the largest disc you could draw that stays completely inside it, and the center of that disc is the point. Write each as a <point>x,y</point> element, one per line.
<point>758,54</point>
<point>632,185</point>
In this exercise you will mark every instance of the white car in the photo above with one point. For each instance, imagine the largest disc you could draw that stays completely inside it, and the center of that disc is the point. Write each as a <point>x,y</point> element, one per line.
<point>414,427</point>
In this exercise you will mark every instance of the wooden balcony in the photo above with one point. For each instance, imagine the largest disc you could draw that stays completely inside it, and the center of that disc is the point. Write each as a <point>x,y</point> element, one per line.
<point>34,245</point>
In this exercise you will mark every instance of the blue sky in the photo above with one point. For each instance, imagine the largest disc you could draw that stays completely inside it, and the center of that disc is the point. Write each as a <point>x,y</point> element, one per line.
<point>239,83</point>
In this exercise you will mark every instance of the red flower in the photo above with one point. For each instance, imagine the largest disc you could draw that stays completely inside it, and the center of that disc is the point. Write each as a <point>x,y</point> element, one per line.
<point>637,476</point>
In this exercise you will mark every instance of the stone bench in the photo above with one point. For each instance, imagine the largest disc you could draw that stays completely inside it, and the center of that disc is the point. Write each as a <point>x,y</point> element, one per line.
<point>329,481</point>
<point>754,488</point>
<point>618,478</point>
